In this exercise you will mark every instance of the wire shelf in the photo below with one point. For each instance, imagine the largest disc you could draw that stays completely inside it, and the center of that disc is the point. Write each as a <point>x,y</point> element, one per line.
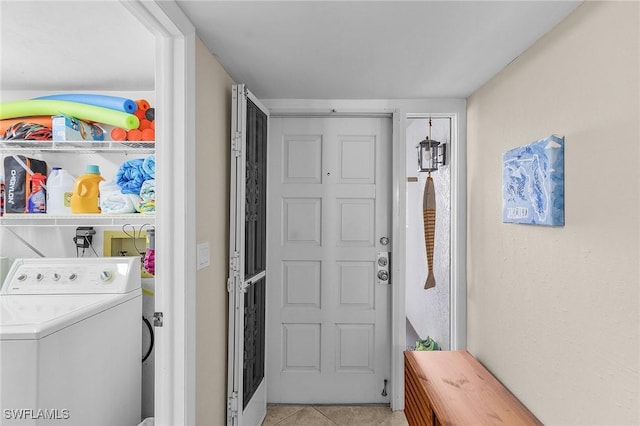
<point>37,219</point>
<point>78,146</point>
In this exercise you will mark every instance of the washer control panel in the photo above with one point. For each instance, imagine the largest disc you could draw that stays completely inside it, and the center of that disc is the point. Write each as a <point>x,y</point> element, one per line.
<point>73,276</point>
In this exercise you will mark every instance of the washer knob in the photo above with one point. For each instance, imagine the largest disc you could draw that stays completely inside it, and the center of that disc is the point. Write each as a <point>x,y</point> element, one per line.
<point>39,276</point>
<point>22,277</point>
<point>56,276</point>
<point>73,276</point>
<point>105,276</point>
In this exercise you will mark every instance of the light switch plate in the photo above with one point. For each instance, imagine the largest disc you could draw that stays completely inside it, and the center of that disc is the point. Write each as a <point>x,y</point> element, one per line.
<point>203,256</point>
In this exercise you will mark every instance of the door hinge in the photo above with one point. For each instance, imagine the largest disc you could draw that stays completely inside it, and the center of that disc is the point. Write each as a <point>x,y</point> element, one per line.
<point>232,405</point>
<point>158,319</point>
<point>236,143</point>
<point>234,270</point>
<point>234,264</point>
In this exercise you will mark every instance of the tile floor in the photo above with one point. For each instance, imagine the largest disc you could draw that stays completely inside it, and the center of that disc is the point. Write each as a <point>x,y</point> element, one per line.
<point>330,415</point>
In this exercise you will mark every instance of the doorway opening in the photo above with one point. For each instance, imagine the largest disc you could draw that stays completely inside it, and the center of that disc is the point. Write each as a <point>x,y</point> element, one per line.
<point>428,310</point>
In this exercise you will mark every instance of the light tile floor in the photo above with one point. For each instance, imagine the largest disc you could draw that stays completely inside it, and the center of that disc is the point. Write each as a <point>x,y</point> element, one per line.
<point>331,415</point>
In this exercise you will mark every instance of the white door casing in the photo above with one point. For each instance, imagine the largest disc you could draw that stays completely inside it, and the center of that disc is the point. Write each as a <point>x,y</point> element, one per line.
<point>175,346</point>
<point>328,321</point>
<point>244,407</point>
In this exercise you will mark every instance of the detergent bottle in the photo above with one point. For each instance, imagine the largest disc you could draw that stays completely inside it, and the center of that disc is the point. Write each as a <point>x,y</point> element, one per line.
<point>37,201</point>
<point>60,187</point>
<point>86,193</point>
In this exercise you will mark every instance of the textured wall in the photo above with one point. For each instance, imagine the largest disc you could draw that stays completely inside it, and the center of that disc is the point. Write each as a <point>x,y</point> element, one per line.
<point>213,133</point>
<point>428,310</point>
<point>554,312</point>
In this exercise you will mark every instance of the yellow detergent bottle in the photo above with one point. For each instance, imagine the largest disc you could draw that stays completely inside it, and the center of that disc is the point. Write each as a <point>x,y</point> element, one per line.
<point>86,193</point>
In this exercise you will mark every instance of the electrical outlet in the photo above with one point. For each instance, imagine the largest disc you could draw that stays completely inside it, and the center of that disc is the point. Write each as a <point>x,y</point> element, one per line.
<point>84,236</point>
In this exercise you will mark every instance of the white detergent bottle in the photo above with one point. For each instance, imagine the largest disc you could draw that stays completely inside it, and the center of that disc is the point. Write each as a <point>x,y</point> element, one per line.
<point>59,189</point>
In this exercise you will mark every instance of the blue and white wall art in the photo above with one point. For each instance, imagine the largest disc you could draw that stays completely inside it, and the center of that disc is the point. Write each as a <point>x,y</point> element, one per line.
<point>533,183</point>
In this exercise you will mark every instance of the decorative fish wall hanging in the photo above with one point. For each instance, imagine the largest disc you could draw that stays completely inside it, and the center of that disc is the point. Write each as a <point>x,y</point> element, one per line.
<point>429,221</point>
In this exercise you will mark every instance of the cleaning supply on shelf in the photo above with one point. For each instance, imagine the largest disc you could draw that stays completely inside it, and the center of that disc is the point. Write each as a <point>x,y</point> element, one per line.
<point>18,170</point>
<point>86,193</point>
<point>113,201</point>
<point>149,263</point>
<point>37,202</point>
<point>60,185</point>
<point>54,171</point>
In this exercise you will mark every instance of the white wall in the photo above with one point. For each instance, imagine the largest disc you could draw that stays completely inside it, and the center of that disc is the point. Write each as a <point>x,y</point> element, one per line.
<point>428,309</point>
<point>554,312</point>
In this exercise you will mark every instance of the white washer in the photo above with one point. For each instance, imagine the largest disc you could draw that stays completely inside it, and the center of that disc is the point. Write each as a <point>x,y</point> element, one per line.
<point>70,346</point>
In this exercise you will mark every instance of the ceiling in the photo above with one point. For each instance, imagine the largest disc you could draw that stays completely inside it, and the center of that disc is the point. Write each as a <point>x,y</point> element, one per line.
<point>281,49</point>
<point>73,45</point>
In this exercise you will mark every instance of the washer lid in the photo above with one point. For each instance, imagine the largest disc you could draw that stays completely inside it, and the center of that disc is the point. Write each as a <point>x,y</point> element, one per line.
<point>36,316</point>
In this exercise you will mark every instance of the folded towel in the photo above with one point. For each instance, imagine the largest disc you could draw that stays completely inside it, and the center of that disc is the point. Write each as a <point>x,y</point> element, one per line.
<point>149,166</point>
<point>146,206</point>
<point>112,201</point>
<point>148,190</point>
<point>131,175</point>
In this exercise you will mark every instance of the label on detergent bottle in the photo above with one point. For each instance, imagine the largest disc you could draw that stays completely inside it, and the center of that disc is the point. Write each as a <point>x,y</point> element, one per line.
<point>67,199</point>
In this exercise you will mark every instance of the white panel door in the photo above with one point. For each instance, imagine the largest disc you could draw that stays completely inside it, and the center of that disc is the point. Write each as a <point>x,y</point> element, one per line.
<point>328,322</point>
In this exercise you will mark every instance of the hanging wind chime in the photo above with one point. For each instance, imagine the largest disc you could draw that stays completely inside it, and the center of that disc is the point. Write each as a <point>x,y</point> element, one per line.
<point>428,153</point>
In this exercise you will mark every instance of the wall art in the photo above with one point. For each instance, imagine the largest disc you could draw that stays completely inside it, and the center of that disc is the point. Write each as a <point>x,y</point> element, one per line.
<point>533,183</point>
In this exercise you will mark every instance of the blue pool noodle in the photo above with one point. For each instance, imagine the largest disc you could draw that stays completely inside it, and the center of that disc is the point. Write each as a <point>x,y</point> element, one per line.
<point>105,101</point>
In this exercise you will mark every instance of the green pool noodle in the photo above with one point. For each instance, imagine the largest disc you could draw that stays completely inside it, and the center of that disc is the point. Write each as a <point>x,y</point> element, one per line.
<point>86,112</point>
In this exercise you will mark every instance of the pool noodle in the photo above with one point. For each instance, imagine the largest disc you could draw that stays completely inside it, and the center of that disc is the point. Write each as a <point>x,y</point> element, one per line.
<point>104,101</point>
<point>44,120</point>
<point>142,104</point>
<point>93,113</point>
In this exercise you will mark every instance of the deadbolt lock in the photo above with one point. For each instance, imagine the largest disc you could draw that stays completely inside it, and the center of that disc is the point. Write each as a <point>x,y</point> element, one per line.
<point>382,267</point>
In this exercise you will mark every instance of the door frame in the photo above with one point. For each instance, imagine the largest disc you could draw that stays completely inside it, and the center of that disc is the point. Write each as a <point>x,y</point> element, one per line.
<point>175,285</point>
<point>400,110</point>
<point>389,125</point>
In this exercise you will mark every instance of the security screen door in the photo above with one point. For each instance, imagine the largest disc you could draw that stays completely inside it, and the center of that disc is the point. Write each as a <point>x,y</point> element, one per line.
<point>328,316</point>
<point>247,260</point>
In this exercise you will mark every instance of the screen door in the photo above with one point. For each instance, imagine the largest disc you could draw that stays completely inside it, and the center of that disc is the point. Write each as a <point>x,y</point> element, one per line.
<point>247,260</point>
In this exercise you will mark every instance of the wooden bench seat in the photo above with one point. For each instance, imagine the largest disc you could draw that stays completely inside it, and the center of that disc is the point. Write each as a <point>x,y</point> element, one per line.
<point>453,388</point>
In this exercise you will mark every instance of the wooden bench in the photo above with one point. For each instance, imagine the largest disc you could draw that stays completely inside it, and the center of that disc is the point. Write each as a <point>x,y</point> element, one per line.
<point>453,388</point>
